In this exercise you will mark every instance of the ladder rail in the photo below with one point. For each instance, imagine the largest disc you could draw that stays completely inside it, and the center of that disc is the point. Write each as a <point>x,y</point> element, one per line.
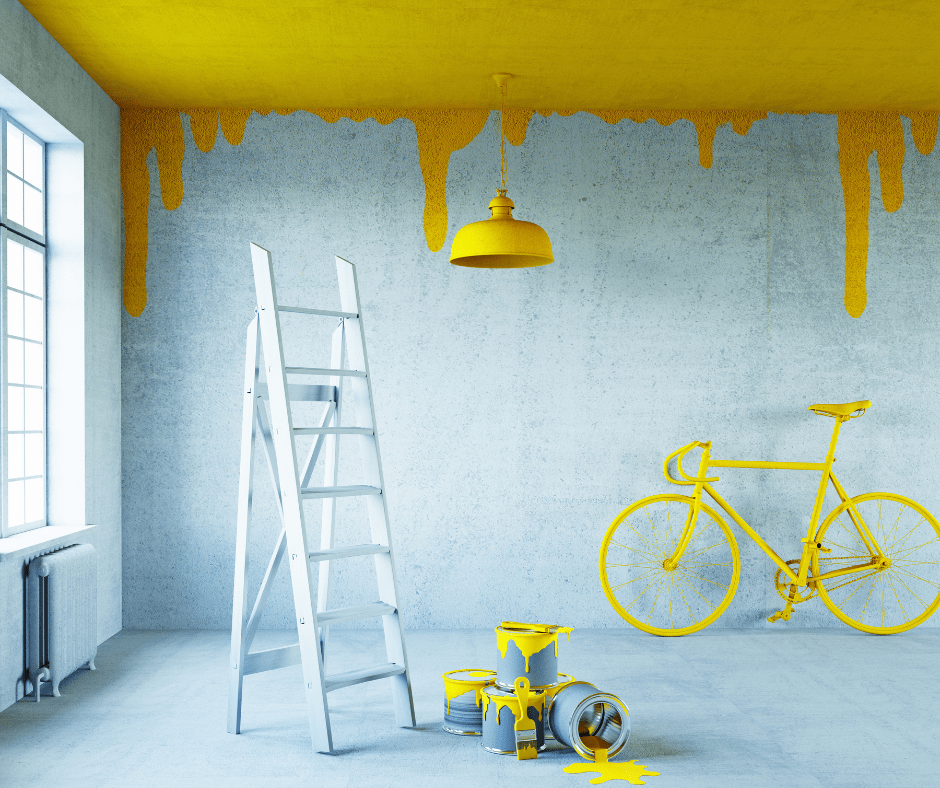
<point>377,506</point>
<point>242,528</point>
<point>292,505</point>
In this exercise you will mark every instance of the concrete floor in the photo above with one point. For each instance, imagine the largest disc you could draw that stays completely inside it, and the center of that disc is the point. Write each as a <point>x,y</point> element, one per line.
<point>777,707</point>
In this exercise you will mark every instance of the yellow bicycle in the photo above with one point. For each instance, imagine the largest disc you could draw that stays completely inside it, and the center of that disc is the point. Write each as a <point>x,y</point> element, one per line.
<point>669,564</point>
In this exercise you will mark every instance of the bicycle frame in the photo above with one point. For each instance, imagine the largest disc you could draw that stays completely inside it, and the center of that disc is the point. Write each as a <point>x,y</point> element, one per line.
<point>702,483</point>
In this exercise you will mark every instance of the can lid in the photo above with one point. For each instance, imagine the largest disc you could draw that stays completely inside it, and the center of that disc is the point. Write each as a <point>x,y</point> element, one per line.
<point>540,629</point>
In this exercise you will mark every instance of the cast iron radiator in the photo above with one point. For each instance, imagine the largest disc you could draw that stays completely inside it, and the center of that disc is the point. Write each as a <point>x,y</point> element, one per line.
<point>62,595</point>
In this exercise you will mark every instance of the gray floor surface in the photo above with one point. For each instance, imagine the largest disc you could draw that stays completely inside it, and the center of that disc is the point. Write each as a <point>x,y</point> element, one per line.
<point>775,707</point>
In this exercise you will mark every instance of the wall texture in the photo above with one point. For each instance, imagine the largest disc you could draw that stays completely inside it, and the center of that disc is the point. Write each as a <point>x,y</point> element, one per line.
<point>519,411</point>
<point>35,64</point>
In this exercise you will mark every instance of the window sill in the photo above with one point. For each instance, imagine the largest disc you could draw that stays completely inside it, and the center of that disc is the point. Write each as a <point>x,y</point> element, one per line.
<point>39,540</point>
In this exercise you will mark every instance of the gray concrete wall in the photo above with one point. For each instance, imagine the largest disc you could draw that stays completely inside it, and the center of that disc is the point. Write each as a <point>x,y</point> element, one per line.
<point>84,322</point>
<point>520,411</point>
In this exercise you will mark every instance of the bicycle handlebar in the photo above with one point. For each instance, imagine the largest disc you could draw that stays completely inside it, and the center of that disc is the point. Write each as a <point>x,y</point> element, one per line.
<point>681,453</point>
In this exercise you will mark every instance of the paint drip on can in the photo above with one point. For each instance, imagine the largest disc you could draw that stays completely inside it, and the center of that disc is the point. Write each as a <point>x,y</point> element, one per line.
<point>529,650</point>
<point>501,709</point>
<point>463,695</point>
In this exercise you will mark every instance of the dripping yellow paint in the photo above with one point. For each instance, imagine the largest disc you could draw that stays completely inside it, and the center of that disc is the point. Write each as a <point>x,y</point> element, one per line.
<point>529,638</point>
<point>454,687</point>
<point>511,702</point>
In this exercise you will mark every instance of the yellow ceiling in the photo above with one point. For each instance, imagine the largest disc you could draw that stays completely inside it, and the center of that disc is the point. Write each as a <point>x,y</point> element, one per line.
<point>795,55</point>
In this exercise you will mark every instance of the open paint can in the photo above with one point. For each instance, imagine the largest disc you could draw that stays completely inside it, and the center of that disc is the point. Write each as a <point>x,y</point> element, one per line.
<point>550,690</point>
<point>529,650</point>
<point>463,695</point>
<point>500,712</point>
<point>583,718</point>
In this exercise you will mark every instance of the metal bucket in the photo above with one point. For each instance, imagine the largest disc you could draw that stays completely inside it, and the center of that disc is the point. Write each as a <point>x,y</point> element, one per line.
<point>529,650</point>
<point>500,709</point>
<point>583,718</point>
<point>463,709</point>
<point>550,690</point>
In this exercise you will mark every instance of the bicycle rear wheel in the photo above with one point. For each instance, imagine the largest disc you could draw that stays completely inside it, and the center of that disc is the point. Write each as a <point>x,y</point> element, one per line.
<point>643,591</point>
<point>882,600</point>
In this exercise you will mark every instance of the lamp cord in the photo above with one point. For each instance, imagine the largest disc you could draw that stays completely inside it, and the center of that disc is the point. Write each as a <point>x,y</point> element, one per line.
<point>503,170</point>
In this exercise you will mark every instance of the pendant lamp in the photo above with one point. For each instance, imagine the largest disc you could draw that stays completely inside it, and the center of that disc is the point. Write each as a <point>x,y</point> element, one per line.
<point>501,241</point>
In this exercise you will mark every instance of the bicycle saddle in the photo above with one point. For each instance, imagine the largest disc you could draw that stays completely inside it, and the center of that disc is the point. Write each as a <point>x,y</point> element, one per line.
<point>847,411</point>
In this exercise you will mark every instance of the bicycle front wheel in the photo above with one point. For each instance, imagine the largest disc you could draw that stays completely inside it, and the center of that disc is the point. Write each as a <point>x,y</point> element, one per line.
<point>656,599</point>
<point>881,599</point>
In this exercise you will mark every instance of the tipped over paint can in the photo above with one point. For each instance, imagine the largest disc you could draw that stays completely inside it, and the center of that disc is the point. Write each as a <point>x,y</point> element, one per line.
<point>501,709</point>
<point>582,717</point>
<point>527,650</point>
<point>550,690</point>
<point>463,696</point>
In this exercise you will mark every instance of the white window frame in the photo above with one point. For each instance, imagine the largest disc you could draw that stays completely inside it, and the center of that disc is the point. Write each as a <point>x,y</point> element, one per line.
<point>36,241</point>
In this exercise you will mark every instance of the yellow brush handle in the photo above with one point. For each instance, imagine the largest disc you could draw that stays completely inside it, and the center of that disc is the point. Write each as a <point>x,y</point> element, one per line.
<point>522,692</point>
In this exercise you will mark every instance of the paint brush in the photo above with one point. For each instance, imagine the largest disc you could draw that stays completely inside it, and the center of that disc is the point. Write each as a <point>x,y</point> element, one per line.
<point>526,740</point>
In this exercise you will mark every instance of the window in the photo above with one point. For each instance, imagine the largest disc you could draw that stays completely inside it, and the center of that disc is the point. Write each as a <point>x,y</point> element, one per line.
<point>22,329</point>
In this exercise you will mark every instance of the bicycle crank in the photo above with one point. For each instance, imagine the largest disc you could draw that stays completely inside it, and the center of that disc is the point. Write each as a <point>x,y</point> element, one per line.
<point>799,594</point>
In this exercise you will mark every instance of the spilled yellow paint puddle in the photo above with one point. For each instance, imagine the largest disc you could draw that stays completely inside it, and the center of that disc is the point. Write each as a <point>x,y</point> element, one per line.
<point>630,771</point>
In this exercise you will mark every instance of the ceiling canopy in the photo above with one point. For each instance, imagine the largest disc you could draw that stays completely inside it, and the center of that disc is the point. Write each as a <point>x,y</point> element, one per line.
<point>799,55</point>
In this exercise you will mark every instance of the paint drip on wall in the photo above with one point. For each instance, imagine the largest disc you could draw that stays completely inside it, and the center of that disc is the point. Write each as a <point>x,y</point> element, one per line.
<point>442,132</point>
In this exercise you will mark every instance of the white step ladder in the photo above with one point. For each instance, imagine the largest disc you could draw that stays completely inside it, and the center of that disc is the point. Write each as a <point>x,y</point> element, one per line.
<point>292,486</point>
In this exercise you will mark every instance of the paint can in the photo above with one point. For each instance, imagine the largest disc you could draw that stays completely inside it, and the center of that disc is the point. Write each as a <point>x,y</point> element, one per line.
<point>550,690</point>
<point>529,650</point>
<point>463,708</point>
<point>500,711</point>
<point>583,718</point>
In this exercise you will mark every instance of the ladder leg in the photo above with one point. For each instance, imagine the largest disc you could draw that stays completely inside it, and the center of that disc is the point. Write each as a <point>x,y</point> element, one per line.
<point>243,522</point>
<point>361,389</point>
<point>325,585</point>
<point>292,508</point>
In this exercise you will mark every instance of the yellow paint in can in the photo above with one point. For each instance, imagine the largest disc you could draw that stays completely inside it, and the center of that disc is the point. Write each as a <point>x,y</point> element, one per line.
<point>476,681</point>
<point>529,638</point>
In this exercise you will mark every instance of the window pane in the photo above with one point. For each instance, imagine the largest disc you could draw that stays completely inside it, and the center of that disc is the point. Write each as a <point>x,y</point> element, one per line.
<point>15,510</point>
<point>33,409</point>
<point>33,320</point>
<point>32,272</point>
<point>35,500</point>
<point>14,199</point>
<point>34,451</point>
<point>14,313</point>
<point>14,361</point>
<point>14,149</point>
<point>32,161</point>
<point>16,410</point>
<point>34,364</point>
<point>14,264</point>
<point>15,456</point>
<point>32,209</point>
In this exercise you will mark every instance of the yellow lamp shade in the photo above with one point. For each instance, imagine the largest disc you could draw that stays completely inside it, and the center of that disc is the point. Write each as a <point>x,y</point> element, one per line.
<point>501,241</point>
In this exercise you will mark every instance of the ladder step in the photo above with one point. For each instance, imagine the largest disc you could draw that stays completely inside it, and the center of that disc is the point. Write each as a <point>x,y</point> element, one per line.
<point>272,659</point>
<point>304,311</point>
<point>348,552</point>
<point>350,677</point>
<point>354,373</point>
<point>341,614</point>
<point>333,431</point>
<point>339,492</point>
<point>300,392</point>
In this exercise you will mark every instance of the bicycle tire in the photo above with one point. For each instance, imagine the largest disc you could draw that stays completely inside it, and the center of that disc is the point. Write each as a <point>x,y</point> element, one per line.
<point>882,599</point>
<point>713,577</point>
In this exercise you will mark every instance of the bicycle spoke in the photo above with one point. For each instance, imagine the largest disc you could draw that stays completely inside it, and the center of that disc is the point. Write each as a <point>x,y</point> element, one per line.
<point>637,599</point>
<point>913,549</point>
<point>653,606</point>
<point>692,619</point>
<point>641,577</point>
<point>695,574</point>
<point>630,526</point>
<point>862,617</point>
<point>633,549</point>
<point>895,591</point>
<point>918,577</point>
<point>906,537</point>
<point>706,601</point>
<point>911,592</point>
